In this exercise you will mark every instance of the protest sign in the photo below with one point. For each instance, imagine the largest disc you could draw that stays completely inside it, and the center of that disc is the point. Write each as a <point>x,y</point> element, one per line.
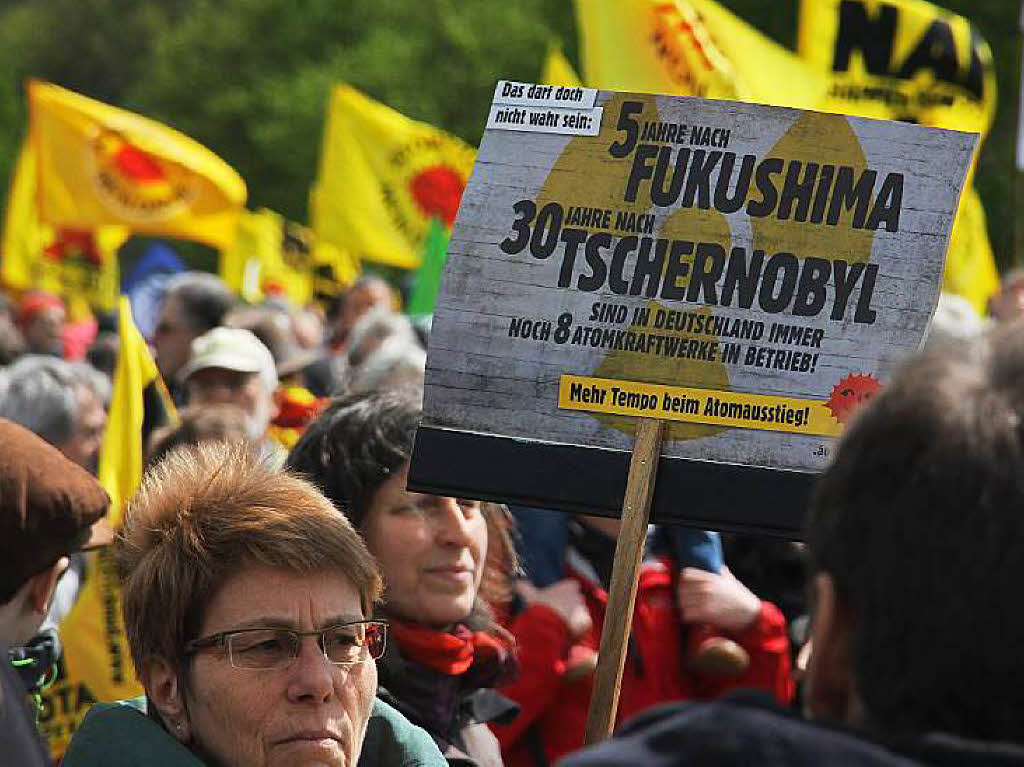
<point>747,273</point>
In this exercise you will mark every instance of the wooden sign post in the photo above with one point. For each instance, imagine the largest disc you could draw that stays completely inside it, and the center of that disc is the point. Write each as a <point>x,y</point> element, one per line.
<point>629,551</point>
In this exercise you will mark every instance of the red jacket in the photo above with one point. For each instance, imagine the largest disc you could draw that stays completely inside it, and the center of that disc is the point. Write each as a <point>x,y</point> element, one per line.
<point>554,710</point>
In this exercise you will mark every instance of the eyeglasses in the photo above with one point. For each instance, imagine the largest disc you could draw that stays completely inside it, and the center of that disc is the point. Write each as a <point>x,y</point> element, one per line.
<point>268,648</point>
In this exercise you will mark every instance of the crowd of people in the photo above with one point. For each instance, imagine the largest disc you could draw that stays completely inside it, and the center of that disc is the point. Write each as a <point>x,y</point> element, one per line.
<point>287,599</point>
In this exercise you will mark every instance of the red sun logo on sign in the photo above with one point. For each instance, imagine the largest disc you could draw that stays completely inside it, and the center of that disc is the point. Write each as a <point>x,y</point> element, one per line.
<point>850,393</point>
<point>437,191</point>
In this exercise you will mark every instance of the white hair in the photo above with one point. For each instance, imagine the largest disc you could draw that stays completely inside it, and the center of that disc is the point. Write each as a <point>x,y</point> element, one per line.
<point>372,329</point>
<point>41,393</point>
<point>397,363</point>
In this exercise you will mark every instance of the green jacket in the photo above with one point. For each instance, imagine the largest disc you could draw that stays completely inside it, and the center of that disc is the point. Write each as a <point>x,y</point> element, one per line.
<point>121,735</point>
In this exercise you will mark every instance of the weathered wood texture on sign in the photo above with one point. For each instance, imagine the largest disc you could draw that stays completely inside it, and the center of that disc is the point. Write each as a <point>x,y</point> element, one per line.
<point>501,338</point>
<point>482,379</point>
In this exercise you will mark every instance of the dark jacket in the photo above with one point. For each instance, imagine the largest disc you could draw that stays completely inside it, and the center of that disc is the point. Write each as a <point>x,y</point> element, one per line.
<point>19,740</point>
<point>120,735</point>
<point>454,710</point>
<point>747,729</point>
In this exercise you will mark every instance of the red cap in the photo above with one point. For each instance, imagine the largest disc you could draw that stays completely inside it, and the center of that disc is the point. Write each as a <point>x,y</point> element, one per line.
<point>34,303</point>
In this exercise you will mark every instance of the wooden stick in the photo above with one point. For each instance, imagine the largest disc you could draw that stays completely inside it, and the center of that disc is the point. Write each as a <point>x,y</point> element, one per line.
<point>629,551</point>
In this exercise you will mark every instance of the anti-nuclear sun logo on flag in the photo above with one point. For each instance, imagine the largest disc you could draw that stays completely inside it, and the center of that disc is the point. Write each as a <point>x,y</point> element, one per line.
<point>136,184</point>
<point>437,191</point>
<point>425,179</point>
<point>688,54</point>
<point>74,245</point>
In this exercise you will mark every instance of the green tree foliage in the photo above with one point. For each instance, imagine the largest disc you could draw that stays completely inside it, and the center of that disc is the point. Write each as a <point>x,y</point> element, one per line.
<point>250,78</point>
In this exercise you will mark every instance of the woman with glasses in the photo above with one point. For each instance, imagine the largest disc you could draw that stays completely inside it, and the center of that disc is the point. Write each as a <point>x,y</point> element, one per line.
<point>248,610</point>
<point>444,560</point>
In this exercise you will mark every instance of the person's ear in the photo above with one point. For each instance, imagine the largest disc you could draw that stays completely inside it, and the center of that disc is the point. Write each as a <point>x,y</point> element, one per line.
<point>830,692</point>
<point>163,687</point>
<point>42,585</point>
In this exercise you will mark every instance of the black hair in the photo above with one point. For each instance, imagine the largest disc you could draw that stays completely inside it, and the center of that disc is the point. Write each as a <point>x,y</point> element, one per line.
<point>355,445</point>
<point>919,522</point>
<point>205,299</point>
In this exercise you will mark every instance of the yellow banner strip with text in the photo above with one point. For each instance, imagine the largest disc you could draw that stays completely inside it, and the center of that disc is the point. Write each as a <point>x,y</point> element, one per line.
<point>710,406</point>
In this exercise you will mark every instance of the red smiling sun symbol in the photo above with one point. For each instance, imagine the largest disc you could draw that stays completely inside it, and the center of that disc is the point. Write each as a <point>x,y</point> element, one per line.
<point>437,192</point>
<point>851,393</point>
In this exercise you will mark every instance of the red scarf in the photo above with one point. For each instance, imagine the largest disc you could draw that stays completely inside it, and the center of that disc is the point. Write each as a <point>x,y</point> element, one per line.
<point>450,652</point>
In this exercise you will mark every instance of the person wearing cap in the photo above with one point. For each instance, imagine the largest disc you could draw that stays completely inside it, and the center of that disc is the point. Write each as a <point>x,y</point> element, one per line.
<point>231,366</point>
<point>49,508</point>
<point>296,405</point>
<point>274,328</point>
<point>41,318</point>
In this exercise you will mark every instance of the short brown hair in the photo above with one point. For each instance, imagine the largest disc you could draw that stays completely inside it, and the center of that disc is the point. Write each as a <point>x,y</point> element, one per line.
<point>203,513</point>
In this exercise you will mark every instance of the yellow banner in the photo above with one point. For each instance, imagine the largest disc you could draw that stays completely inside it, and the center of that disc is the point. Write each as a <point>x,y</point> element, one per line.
<point>99,165</point>
<point>911,60</point>
<point>689,48</point>
<point>708,406</point>
<point>382,177</point>
<point>558,70</point>
<point>139,400</point>
<point>97,664</point>
<point>900,60</point>
<point>74,263</point>
<point>970,264</point>
<point>272,255</point>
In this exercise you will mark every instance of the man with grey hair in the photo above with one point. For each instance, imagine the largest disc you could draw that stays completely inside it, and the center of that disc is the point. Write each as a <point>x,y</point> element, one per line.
<point>396,364</point>
<point>194,303</point>
<point>60,401</point>
<point>373,329</point>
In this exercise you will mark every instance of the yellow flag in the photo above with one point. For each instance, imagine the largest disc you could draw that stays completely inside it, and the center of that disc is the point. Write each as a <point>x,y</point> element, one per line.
<point>273,255</point>
<point>901,60</point>
<point>689,48</point>
<point>96,664</point>
<point>970,265</point>
<point>382,176</point>
<point>78,264</point>
<point>765,71</point>
<point>558,70</point>
<point>345,267</point>
<point>139,403</point>
<point>911,60</point>
<point>99,165</point>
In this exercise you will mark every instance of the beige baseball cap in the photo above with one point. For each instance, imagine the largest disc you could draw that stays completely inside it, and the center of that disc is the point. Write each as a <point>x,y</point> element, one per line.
<point>231,349</point>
